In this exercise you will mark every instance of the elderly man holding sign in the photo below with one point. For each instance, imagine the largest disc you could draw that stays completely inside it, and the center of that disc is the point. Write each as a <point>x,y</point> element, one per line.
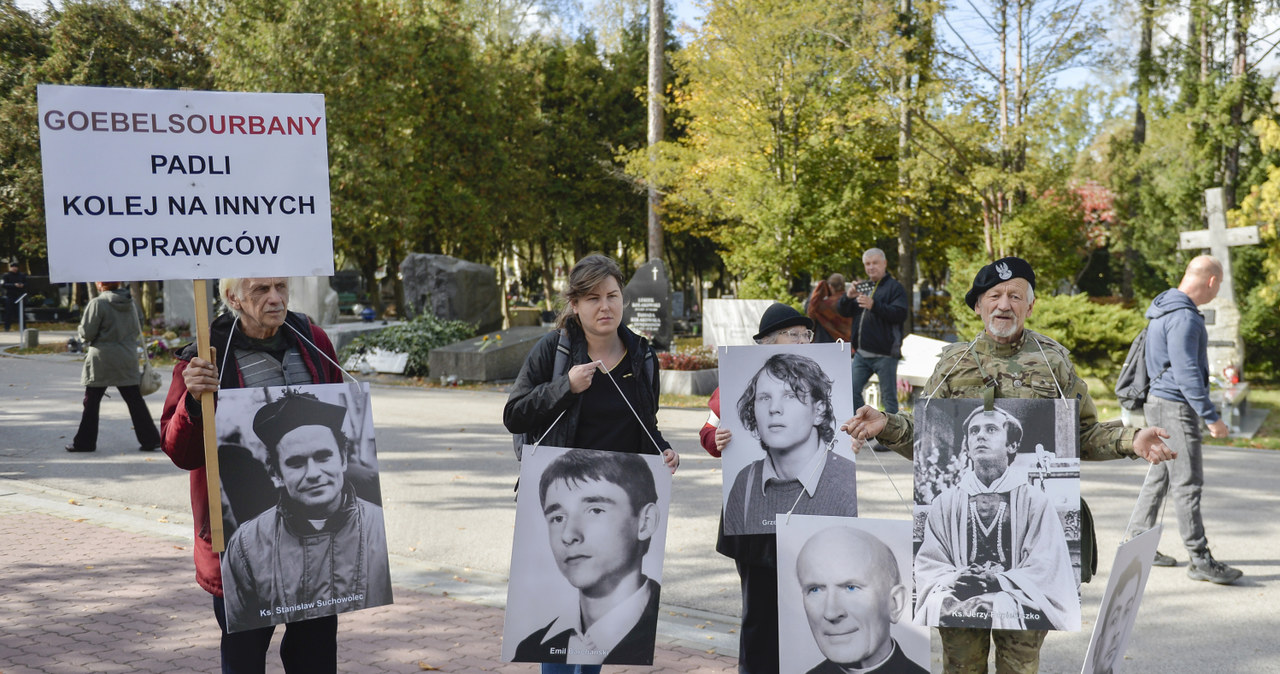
<point>259,343</point>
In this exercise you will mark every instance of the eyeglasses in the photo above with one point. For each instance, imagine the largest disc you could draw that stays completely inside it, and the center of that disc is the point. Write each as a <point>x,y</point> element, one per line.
<point>804,336</point>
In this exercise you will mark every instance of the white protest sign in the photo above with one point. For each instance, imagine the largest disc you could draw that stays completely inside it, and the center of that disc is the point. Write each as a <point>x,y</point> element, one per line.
<point>145,184</point>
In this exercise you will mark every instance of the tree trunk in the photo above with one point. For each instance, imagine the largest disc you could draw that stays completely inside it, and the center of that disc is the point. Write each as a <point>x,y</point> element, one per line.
<point>906,230</point>
<point>1145,78</point>
<point>1239,73</point>
<point>657,44</point>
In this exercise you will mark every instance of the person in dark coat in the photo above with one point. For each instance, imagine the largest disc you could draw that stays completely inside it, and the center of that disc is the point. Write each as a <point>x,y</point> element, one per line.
<point>878,308</point>
<point>609,372</point>
<point>15,286</point>
<point>259,343</point>
<point>110,328</point>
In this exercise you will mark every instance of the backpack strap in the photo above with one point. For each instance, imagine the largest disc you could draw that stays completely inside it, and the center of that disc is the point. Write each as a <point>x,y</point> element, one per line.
<point>562,354</point>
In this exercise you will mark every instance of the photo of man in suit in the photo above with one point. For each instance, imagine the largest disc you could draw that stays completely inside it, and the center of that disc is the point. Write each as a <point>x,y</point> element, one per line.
<point>601,511</point>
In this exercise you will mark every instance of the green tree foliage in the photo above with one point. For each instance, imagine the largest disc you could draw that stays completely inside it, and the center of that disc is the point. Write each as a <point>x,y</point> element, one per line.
<point>115,43</point>
<point>788,158</point>
<point>1260,319</point>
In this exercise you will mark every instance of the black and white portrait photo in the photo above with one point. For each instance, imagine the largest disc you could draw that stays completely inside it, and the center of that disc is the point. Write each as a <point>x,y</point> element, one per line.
<point>302,508</point>
<point>586,560</point>
<point>844,597</point>
<point>1120,601</point>
<point>787,453</point>
<point>997,521</point>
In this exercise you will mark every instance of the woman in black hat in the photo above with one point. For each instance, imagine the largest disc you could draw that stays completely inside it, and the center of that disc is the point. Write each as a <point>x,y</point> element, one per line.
<point>756,555</point>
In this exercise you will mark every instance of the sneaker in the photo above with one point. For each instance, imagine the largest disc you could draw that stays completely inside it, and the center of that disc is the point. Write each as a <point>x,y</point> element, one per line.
<point>1163,560</point>
<point>1210,569</point>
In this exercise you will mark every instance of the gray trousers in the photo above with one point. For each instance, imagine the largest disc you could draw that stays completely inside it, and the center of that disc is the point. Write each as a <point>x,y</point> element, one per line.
<point>1184,475</point>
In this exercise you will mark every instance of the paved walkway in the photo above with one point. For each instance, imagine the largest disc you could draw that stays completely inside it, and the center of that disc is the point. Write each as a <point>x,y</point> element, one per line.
<point>96,575</point>
<point>89,587</point>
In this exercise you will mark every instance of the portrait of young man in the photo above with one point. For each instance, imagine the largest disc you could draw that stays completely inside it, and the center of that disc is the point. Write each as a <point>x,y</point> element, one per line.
<point>603,517</point>
<point>784,456</point>
<point>994,551</point>
<point>844,597</point>
<point>321,549</point>
<point>1119,609</point>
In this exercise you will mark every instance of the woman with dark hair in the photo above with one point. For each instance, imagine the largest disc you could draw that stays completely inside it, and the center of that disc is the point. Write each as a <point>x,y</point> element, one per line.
<point>110,328</point>
<point>609,371</point>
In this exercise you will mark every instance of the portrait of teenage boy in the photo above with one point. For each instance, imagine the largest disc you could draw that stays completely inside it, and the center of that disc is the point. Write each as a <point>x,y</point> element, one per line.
<point>601,512</point>
<point>787,407</point>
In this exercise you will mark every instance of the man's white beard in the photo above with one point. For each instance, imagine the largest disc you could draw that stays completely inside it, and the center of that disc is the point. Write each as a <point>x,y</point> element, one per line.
<point>1002,333</point>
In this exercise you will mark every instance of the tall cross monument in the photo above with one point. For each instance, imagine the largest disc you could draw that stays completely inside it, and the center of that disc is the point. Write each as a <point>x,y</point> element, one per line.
<point>1222,315</point>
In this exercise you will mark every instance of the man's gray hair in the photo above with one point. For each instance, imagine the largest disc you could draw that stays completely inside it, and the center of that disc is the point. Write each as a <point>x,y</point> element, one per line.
<point>234,286</point>
<point>872,253</point>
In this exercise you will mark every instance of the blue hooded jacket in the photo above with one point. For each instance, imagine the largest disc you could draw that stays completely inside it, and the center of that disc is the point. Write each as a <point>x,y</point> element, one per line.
<point>1177,353</point>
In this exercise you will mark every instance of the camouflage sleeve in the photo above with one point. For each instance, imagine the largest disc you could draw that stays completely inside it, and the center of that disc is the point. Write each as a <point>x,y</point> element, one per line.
<point>899,431</point>
<point>1099,441</point>
<point>898,434</point>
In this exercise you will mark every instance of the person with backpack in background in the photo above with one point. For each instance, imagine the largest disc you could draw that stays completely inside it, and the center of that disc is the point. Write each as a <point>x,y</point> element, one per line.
<point>576,406</point>
<point>1177,365</point>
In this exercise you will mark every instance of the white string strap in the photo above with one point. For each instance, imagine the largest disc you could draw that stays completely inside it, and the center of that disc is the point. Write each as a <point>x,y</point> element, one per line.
<point>319,351</point>
<point>533,449</point>
<point>954,365</point>
<point>1049,365</point>
<point>869,447</point>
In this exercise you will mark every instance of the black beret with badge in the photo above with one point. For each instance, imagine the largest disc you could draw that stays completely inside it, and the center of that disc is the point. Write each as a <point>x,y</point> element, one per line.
<point>295,410</point>
<point>996,273</point>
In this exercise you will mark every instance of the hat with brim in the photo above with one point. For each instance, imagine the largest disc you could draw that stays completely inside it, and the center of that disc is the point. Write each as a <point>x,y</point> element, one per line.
<point>992,275</point>
<point>779,316</point>
<point>292,411</point>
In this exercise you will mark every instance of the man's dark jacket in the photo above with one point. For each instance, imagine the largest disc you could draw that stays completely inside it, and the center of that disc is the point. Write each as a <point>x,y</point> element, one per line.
<point>636,648</point>
<point>878,329</point>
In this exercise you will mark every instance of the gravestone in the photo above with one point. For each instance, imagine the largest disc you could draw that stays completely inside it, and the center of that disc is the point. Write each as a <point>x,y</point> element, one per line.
<point>648,304</point>
<point>452,289</point>
<point>489,357</point>
<point>1222,315</point>
<point>312,296</point>
<point>180,301</point>
<point>731,322</point>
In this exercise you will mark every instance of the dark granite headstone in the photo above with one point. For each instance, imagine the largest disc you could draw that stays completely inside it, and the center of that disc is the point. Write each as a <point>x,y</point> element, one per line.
<point>452,289</point>
<point>648,304</point>
<point>488,357</point>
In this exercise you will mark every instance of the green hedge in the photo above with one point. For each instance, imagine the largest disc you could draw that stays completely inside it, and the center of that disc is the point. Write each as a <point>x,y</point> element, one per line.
<point>416,337</point>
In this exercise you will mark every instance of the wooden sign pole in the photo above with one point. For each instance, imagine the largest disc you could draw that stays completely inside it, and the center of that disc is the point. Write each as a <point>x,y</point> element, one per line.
<point>205,349</point>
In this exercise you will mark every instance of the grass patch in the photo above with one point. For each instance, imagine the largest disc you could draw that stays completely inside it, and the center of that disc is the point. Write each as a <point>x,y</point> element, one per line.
<point>40,350</point>
<point>683,401</point>
<point>54,327</point>
<point>1261,396</point>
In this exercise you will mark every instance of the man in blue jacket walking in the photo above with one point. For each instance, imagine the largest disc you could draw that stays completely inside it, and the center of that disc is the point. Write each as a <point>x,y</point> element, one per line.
<point>1178,363</point>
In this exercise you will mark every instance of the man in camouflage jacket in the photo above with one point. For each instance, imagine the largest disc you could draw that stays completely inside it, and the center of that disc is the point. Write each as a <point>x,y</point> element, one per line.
<point>1008,361</point>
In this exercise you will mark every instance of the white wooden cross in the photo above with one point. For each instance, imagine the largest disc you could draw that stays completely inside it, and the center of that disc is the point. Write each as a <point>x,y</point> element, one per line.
<point>1219,239</point>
